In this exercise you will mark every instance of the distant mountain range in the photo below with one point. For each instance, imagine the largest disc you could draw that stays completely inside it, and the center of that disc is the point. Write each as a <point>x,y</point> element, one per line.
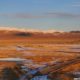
<point>14,32</point>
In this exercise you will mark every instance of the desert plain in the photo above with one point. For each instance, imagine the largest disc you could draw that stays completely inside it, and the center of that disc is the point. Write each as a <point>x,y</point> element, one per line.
<point>40,48</point>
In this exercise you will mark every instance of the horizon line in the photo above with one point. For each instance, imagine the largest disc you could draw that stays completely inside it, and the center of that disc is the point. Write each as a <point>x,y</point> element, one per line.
<point>32,30</point>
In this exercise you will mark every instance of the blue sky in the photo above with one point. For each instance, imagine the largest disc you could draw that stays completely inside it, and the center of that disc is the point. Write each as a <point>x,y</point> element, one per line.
<point>40,14</point>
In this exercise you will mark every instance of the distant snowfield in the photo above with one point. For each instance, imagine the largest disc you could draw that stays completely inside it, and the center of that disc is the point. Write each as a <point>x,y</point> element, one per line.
<point>28,30</point>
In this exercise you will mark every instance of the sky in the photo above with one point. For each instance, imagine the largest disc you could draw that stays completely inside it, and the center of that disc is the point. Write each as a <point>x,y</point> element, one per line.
<point>61,15</point>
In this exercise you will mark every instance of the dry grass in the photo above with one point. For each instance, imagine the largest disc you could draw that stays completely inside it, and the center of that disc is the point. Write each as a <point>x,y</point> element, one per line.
<point>45,49</point>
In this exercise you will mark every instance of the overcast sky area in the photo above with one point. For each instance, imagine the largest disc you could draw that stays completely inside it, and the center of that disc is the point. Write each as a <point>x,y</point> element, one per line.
<point>40,14</point>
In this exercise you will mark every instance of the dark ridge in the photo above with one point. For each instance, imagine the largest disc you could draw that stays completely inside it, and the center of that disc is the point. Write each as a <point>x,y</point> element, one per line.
<point>74,31</point>
<point>24,34</point>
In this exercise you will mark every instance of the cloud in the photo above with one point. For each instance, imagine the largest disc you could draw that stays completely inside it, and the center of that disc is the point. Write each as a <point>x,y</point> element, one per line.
<point>21,15</point>
<point>62,15</point>
<point>76,4</point>
<point>25,15</point>
<point>44,15</point>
